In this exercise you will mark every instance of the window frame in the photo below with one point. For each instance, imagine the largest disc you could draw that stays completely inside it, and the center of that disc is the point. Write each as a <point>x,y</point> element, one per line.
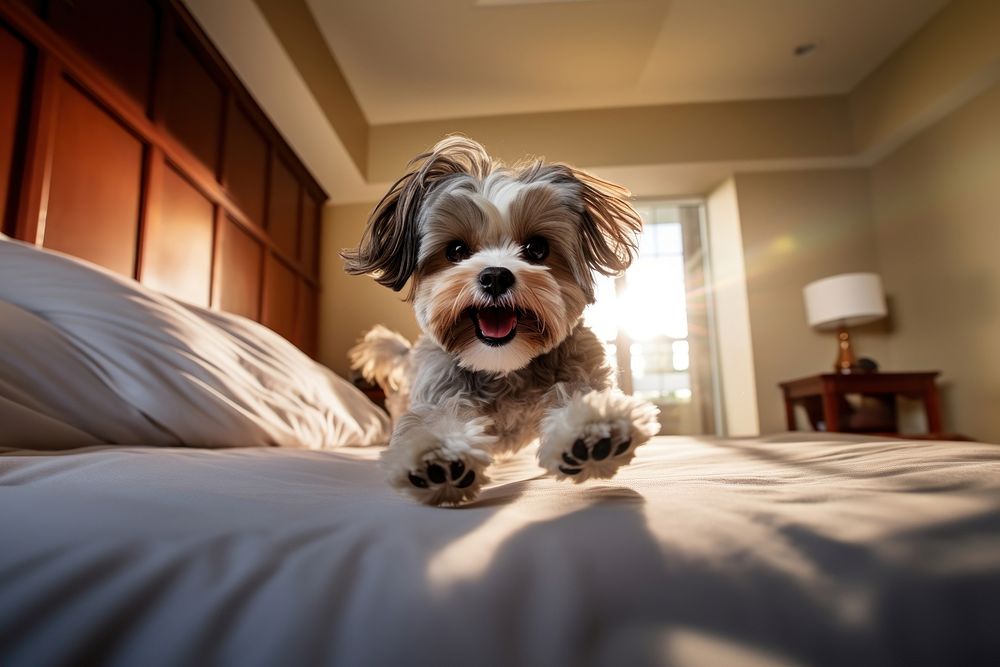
<point>702,367</point>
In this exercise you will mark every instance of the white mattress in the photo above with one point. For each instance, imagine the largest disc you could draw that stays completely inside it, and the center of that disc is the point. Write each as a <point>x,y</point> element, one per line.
<point>786,550</point>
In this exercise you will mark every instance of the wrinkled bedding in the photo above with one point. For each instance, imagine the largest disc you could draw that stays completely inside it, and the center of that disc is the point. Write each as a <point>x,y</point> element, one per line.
<point>797,549</point>
<point>88,357</point>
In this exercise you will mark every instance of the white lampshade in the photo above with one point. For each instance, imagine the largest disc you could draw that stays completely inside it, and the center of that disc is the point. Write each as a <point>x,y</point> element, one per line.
<point>846,300</point>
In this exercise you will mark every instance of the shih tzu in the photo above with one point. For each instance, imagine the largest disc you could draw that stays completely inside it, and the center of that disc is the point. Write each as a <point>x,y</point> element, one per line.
<point>500,262</point>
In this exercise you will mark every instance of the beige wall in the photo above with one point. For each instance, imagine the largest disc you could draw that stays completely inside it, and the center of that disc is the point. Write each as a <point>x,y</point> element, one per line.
<point>951,59</point>
<point>927,218</point>
<point>798,227</point>
<point>799,128</point>
<point>350,305</point>
<point>937,212</point>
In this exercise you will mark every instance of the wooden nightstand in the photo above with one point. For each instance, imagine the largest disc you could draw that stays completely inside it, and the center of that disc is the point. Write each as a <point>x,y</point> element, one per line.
<point>824,399</point>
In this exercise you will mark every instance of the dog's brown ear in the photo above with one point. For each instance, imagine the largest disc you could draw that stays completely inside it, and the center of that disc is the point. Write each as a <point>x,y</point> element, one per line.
<point>610,226</point>
<point>391,240</point>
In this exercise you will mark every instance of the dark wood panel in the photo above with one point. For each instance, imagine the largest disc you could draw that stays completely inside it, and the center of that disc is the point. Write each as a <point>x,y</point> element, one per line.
<point>278,307</point>
<point>119,36</point>
<point>307,319</point>
<point>34,5</point>
<point>237,271</point>
<point>177,242</point>
<point>12,55</point>
<point>190,101</point>
<point>245,164</point>
<point>101,175</point>
<point>234,86</point>
<point>283,208</point>
<point>37,164</point>
<point>309,238</point>
<point>94,191</point>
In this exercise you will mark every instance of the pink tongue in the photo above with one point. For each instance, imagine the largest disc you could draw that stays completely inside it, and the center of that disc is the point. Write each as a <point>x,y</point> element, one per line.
<point>496,322</point>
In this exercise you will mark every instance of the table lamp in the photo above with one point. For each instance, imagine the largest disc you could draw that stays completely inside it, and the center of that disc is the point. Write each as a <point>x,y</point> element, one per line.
<point>839,302</point>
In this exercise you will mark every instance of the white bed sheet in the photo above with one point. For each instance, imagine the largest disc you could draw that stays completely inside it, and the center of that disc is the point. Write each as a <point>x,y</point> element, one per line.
<point>793,549</point>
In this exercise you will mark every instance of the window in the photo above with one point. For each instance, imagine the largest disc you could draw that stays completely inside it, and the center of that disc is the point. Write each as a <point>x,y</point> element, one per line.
<point>654,320</point>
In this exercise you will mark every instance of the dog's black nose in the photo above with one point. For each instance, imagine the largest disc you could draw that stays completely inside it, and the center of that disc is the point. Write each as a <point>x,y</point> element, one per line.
<point>496,280</point>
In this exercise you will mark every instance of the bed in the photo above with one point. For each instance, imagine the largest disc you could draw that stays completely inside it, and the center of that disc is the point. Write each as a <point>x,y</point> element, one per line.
<point>783,550</point>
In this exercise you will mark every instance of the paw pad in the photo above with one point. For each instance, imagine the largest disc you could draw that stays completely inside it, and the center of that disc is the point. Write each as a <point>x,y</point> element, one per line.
<point>581,452</point>
<point>453,473</point>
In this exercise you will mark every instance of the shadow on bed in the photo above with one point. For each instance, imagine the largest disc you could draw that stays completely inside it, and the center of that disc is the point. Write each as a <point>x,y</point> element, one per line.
<point>929,593</point>
<point>592,584</point>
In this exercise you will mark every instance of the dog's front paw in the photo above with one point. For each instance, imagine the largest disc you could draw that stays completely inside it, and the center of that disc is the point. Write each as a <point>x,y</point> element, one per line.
<point>594,434</point>
<point>437,460</point>
<point>440,480</point>
<point>599,456</point>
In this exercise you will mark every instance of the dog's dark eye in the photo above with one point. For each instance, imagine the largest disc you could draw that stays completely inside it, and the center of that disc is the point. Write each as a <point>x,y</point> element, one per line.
<point>536,249</point>
<point>456,251</point>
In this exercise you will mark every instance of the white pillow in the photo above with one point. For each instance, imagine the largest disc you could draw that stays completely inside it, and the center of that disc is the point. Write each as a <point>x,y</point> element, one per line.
<point>88,357</point>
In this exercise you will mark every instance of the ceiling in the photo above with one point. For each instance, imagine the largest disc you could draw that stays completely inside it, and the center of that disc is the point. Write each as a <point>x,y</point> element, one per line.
<point>414,60</point>
<point>667,97</point>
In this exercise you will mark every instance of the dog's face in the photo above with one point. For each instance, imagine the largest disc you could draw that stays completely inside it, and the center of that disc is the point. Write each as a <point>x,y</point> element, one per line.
<point>500,259</point>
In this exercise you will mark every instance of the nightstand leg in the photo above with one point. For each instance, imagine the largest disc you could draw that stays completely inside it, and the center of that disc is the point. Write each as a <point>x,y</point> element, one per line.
<point>932,406</point>
<point>789,413</point>
<point>831,411</point>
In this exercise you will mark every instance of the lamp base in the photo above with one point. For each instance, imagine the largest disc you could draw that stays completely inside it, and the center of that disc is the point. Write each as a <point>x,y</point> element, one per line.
<point>845,355</point>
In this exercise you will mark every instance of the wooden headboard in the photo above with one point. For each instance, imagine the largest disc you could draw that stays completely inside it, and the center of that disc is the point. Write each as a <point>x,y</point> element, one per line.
<point>126,140</point>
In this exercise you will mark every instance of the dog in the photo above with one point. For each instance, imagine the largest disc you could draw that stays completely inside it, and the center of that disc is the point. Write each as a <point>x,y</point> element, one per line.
<point>500,262</point>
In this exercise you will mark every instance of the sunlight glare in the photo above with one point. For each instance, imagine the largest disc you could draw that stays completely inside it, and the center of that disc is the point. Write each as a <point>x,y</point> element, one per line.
<point>654,302</point>
<point>602,315</point>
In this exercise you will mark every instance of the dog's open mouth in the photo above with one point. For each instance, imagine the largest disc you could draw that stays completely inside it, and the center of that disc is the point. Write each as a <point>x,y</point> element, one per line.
<point>495,325</point>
